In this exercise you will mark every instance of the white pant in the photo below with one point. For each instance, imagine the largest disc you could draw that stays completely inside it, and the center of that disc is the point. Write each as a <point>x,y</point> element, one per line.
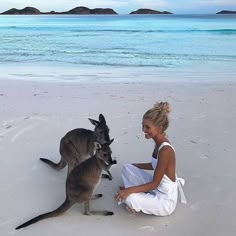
<point>154,203</point>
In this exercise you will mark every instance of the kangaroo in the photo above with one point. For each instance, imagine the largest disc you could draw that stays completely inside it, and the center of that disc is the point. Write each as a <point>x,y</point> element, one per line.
<point>78,145</point>
<point>81,183</point>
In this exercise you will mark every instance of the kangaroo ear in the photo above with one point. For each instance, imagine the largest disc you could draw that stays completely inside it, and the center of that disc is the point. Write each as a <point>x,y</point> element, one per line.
<point>102,119</point>
<point>94,122</point>
<point>97,145</point>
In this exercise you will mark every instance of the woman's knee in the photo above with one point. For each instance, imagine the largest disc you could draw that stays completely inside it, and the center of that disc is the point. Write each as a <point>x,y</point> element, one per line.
<point>133,201</point>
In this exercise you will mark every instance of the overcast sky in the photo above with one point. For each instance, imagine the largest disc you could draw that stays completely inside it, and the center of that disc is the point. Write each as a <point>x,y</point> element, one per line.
<point>125,6</point>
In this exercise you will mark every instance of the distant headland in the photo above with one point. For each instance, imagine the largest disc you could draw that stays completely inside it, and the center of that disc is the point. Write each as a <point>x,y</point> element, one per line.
<point>79,11</point>
<point>87,11</point>
<point>76,10</point>
<point>226,12</point>
<point>149,11</point>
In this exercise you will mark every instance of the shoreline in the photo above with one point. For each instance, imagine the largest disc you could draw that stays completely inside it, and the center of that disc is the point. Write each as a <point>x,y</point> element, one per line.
<point>57,73</point>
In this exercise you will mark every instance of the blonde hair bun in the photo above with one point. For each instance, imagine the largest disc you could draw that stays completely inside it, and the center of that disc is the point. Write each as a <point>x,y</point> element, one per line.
<point>158,114</point>
<point>163,107</point>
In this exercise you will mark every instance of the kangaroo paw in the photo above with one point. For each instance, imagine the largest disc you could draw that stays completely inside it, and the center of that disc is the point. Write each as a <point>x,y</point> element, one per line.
<point>109,213</point>
<point>95,196</point>
<point>105,176</point>
<point>103,213</point>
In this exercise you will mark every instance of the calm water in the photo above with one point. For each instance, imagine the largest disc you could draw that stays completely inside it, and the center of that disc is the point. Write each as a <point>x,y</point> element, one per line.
<point>148,41</point>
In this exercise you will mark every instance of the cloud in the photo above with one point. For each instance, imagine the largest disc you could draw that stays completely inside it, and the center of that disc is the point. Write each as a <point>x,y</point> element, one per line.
<point>100,3</point>
<point>218,2</point>
<point>181,3</point>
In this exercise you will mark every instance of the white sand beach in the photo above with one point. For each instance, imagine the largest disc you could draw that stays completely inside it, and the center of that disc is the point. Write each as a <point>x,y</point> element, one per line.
<point>35,115</point>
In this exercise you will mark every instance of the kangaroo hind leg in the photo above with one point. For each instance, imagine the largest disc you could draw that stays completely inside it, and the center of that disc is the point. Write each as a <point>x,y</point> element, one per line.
<point>87,211</point>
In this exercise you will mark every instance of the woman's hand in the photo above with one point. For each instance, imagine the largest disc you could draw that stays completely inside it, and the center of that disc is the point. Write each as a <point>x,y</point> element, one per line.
<point>122,194</point>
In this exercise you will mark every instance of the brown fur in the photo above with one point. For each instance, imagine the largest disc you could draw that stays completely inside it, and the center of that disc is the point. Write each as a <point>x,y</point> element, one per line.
<point>81,183</point>
<point>78,145</point>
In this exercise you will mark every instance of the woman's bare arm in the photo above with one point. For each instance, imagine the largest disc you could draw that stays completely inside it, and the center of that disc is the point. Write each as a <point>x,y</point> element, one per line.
<point>145,166</point>
<point>164,156</point>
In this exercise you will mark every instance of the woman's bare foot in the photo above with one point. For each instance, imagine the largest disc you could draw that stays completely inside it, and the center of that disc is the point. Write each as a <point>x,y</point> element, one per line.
<point>130,210</point>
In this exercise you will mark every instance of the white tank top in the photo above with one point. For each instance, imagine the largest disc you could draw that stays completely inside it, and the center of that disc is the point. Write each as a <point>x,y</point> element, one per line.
<point>155,160</point>
<point>167,184</point>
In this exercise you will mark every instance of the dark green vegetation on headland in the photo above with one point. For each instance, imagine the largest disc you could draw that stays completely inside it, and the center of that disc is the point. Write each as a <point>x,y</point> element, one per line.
<point>87,11</point>
<point>226,12</point>
<point>149,11</point>
<point>77,10</point>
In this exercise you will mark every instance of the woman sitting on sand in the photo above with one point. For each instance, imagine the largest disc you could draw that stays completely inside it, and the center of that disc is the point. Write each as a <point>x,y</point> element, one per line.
<point>153,194</point>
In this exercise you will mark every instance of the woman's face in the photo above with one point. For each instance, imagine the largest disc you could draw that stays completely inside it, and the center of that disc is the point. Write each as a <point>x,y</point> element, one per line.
<point>150,130</point>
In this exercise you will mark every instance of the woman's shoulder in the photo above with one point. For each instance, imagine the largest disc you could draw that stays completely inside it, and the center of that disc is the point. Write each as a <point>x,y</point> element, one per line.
<point>166,151</point>
<point>165,146</point>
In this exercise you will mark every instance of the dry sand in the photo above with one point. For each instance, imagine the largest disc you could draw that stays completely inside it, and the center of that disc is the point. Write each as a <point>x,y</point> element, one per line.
<point>34,117</point>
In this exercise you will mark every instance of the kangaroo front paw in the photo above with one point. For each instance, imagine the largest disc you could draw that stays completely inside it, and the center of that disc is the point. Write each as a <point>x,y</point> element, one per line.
<point>105,176</point>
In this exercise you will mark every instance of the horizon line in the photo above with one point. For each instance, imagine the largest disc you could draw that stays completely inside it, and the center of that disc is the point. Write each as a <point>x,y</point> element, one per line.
<point>61,12</point>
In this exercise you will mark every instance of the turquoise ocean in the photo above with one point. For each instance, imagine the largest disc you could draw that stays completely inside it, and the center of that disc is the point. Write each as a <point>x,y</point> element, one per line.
<point>113,47</point>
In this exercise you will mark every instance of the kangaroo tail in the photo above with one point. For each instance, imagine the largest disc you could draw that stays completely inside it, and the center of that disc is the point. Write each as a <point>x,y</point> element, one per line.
<point>64,207</point>
<point>57,166</point>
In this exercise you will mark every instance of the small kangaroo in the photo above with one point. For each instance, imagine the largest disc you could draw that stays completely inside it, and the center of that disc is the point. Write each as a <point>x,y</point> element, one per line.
<point>81,183</point>
<point>78,145</point>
